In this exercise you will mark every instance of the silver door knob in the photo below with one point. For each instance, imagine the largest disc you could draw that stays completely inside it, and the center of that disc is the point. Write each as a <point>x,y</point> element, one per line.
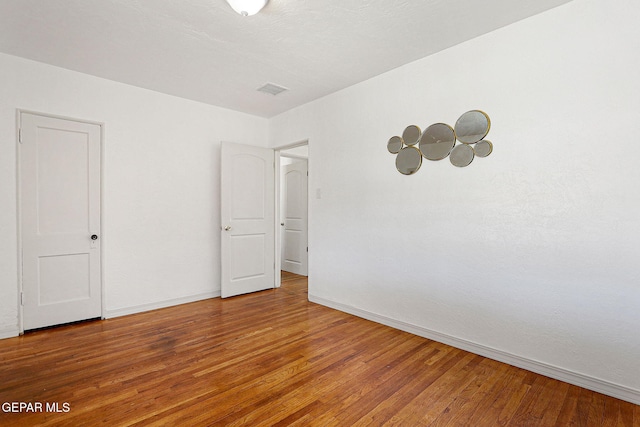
<point>227,228</point>
<point>282,224</point>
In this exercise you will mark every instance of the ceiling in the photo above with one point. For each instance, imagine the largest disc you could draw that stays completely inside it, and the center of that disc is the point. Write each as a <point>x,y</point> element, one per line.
<point>202,50</point>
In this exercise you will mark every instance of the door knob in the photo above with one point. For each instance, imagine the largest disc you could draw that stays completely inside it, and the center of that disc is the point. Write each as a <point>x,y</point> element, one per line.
<point>94,237</point>
<point>282,224</point>
<point>227,228</point>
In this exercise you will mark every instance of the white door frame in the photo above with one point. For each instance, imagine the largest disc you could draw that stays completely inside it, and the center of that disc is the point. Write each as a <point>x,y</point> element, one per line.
<point>276,223</point>
<point>19,210</point>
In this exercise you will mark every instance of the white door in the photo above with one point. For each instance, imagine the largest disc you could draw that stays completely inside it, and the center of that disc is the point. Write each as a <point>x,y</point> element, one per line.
<point>60,220</point>
<point>247,188</point>
<point>294,222</point>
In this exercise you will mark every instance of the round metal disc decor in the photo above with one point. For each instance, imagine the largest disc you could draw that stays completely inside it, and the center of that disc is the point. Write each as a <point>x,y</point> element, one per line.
<point>437,141</point>
<point>472,126</point>
<point>411,135</point>
<point>483,148</point>
<point>394,145</point>
<point>461,155</point>
<point>408,160</point>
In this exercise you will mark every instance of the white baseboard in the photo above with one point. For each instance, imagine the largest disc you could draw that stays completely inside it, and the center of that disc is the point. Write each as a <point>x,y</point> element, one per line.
<point>109,314</point>
<point>9,333</point>
<point>591,383</point>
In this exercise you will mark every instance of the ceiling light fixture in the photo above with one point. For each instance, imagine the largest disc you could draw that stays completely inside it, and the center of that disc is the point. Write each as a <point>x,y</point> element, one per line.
<point>247,7</point>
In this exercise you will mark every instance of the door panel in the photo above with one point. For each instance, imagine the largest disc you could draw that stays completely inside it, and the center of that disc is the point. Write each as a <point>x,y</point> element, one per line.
<point>248,201</point>
<point>251,261</point>
<point>60,210</point>
<point>294,240</point>
<point>56,285</point>
<point>55,177</point>
<point>247,215</point>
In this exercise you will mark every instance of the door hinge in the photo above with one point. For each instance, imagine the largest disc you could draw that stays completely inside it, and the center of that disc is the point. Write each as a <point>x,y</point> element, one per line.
<point>22,276</point>
<point>20,136</point>
<point>307,248</point>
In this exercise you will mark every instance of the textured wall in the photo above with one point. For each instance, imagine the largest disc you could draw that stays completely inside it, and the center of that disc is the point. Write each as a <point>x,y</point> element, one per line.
<point>531,251</point>
<point>161,220</point>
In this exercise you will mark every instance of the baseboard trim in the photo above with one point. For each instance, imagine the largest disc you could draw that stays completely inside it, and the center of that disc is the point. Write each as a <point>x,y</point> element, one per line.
<point>9,333</point>
<point>581,380</point>
<point>160,304</point>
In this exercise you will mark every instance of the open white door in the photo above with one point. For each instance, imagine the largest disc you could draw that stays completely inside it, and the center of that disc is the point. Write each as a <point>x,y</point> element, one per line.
<point>247,217</point>
<point>60,220</point>
<point>294,222</point>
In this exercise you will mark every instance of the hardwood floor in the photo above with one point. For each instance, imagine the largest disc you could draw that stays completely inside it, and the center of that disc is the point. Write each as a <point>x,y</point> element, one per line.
<point>274,359</point>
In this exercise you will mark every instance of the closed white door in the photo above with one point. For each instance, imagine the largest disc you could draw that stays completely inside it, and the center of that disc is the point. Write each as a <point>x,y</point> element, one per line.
<point>294,237</point>
<point>60,220</point>
<point>247,219</point>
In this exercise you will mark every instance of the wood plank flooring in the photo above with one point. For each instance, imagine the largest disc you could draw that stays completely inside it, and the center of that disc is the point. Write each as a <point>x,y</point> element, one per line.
<point>274,359</point>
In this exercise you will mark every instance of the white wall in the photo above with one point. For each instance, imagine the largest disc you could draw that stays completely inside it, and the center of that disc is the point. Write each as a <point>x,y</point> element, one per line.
<point>161,235</point>
<point>529,255</point>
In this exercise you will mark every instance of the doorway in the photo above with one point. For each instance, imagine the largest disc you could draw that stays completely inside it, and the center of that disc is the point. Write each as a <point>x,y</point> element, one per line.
<point>59,179</point>
<point>292,240</point>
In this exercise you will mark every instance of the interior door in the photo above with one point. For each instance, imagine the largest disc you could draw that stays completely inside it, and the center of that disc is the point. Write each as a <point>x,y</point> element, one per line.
<point>294,222</point>
<point>60,220</point>
<point>248,216</point>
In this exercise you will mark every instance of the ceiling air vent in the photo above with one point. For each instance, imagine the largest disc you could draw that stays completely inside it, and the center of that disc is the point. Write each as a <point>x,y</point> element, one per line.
<point>272,89</point>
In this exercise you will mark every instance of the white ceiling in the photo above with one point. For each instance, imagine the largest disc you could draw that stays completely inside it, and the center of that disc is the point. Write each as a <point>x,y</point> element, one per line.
<point>202,50</point>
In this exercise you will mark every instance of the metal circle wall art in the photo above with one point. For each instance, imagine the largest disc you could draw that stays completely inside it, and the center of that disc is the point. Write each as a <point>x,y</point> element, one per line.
<point>462,155</point>
<point>483,148</point>
<point>408,160</point>
<point>472,126</point>
<point>439,141</point>
<point>394,145</point>
<point>411,135</point>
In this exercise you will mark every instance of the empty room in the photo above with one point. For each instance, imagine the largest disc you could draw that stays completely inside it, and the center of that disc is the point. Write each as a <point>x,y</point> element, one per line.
<point>314,213</point>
